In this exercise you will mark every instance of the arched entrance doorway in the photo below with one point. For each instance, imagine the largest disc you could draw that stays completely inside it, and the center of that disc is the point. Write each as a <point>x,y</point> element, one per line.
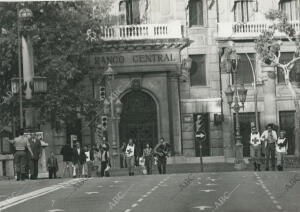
<point>138,120</point>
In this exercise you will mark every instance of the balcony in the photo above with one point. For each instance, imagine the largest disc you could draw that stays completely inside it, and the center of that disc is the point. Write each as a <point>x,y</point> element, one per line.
<point>143,31</point>
<point>249,30</point>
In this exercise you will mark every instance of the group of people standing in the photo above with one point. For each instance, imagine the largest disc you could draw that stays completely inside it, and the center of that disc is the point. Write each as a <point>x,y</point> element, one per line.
<point>159,154</point>
<point>272,144</point>
<point>27,152</point>
<point>79,162</point>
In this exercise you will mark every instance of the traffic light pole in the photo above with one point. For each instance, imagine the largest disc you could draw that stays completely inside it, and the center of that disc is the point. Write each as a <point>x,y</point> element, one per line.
<point>201,159</point>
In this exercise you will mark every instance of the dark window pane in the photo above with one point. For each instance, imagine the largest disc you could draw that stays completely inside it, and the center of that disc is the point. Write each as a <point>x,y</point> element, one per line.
<point>244,71</point>
<point>198,70</point>
<point>196,12</point>
<point>294,73</point>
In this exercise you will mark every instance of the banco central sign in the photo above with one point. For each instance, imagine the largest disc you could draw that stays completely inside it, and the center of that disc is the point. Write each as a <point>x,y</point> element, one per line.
<point>134,59</point>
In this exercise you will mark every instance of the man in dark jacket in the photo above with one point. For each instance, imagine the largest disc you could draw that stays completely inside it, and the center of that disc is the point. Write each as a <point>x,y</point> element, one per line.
<point>67,154</point>
<point>52,166</point>
<point>35,145</point>
<point>79,159</point>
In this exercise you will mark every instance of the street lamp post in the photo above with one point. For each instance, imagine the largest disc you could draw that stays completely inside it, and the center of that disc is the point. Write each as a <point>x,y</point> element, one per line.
<point>235,97</point>
<point>113,108</point>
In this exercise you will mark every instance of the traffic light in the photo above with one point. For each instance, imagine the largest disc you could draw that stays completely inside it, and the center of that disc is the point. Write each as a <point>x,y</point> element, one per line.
<point>104,122</point>
<point>102,93</point>
<point>99,131</point>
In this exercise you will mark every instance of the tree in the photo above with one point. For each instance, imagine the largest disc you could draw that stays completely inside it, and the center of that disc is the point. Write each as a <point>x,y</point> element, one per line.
<point>60,45</point>
<point>268,48</point>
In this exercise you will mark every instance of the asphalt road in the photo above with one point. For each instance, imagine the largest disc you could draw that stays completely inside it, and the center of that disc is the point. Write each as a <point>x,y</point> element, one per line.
<point>222,191</point>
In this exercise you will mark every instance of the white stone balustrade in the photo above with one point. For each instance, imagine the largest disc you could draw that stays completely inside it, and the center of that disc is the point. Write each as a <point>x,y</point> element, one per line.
<point>142,31</point>
<point>248,29</point>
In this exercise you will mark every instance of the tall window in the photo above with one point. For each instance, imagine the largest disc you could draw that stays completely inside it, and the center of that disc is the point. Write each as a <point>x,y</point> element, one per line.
<point>198,70</point>
<point>196,12</point>
<point>285,57</point>
<point>244,10</point>
<point>244,71</point>
<point>129,12</point>
<point>291,8</point>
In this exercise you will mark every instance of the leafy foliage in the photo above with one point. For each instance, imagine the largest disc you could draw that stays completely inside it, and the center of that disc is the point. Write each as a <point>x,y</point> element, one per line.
<point>60,46</point>
<point>267,46</point>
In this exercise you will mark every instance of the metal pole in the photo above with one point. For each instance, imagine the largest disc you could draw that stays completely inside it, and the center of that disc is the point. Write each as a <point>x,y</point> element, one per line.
<point>20,69</point>
<point>201,159</point>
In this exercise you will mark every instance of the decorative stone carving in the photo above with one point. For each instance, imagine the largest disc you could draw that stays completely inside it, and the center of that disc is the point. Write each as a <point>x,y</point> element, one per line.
<point>136,84</point>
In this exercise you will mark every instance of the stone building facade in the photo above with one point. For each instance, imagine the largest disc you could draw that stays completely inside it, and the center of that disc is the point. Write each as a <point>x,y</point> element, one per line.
<point>147,45</point>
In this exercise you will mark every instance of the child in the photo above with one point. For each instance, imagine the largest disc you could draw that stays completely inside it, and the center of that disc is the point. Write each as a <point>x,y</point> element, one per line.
<point>52,166</point>
<point>281,149</point>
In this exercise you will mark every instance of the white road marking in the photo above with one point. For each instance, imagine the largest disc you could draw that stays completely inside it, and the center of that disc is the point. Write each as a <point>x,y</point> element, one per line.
<point>199,183</point>
<point>116,181</point>
<point>211,184</point>
<point>55,210</point>
<point>134,205</point>
<point>275,202</point>
<point>208,190</point>
<point>202,208</point>
<point>145,195</point>
<point>37,193</point>
<point>127,210</point>
<point>140,200</point>
<point>279,207</point>
<point>100,186</point>
<point>271,197</point>
<point>92,192</point>
<point>149,192</point>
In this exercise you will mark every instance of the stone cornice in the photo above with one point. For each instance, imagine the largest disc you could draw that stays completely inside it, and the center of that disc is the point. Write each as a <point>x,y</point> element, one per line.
<point>135,45</point>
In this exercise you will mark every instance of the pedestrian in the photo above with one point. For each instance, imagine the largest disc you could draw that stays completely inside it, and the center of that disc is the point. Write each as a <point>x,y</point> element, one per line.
<point>162,152</point>
<point>123,157</point>
<point>130,156</point>
<point>105,161</point>
<point>79,159</point>
<point>269,137</point>
<point>21,143</point>
<point>255,145</point>
<point>281,149</point>
<point>52,166</point>
<point>67,154</point>
<point>148,156</point>
<point>89,160</point>
<point>97,159</point>
<point>36,147</point>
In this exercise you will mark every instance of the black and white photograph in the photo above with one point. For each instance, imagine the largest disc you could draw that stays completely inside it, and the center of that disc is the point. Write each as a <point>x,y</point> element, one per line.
<point>149,105</point>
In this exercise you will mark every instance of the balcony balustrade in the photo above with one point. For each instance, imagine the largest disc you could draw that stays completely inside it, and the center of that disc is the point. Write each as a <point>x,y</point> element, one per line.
<point>248,30</point>
<point>143,31</point>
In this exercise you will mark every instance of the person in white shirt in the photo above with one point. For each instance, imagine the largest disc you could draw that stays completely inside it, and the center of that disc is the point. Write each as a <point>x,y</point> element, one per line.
<point>129,153</point>
<point>281,149</point>
<point>255,145</point>
<point>269,136</point>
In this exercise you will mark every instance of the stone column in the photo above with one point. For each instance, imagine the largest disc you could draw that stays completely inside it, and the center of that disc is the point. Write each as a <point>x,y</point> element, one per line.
<point>227,125</point>
<point>269,89</point>
<point>175,118</point>
<point>43,172</point>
